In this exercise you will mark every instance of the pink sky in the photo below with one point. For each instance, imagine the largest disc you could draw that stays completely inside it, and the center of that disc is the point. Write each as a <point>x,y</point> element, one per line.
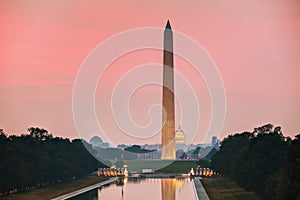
<point>254,43</point>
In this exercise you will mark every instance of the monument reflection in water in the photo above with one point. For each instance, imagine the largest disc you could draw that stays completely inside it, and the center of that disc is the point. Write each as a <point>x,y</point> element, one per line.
<point>145,189</point>
<point>168,187</point>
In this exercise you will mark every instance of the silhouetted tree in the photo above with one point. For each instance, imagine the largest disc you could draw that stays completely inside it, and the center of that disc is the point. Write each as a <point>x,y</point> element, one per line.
<point>286,185</point>
<point>37,159</point>
<point>254,159</point>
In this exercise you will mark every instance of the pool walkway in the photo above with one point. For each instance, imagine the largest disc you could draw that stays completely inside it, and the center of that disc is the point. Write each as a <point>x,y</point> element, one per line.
<point>77,192</point>
<point>199,189</point>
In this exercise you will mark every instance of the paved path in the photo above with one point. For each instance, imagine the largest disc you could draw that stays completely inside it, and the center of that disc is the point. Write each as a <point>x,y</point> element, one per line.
<point>200,191</point>
<point>80,191</point>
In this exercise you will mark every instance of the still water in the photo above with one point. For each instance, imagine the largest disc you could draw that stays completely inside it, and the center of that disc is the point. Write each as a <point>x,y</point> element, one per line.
<point>145,189</point>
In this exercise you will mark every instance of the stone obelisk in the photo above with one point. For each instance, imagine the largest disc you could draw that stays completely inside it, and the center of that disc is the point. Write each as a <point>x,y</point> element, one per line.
<point>168,130</point>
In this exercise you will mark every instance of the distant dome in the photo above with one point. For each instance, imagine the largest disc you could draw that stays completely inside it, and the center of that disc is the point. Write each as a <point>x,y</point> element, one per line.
<point>96,139</point>
<point>179,136</point>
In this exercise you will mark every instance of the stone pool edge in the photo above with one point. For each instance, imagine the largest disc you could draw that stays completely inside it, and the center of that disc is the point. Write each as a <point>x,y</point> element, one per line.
<point>199,190</point>
<point>83,190</point>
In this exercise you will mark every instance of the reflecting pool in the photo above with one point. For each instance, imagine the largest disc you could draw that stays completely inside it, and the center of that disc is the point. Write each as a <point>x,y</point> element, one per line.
<point>145,189</point>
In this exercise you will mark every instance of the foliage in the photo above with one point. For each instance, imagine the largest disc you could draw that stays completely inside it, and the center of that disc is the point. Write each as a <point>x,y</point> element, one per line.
<point>287,182</point>
<point>263,161</point>
<point>37,159</point>
<point>204,163</point>
<point>137,149</point>
<point>129,153</point>
<point>228,153</point>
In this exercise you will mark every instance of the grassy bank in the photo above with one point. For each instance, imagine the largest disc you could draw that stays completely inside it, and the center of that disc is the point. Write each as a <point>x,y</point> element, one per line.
<point>55,190</point>
<point>161,166</point>
<point>221,188</point>
<point>179,167</point>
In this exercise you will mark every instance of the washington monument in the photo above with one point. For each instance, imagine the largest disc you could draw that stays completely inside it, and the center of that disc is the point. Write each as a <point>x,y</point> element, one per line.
<point>168,118</point>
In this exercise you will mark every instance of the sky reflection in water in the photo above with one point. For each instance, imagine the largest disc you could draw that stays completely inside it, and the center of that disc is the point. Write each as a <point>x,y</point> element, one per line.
<point>145,189</point>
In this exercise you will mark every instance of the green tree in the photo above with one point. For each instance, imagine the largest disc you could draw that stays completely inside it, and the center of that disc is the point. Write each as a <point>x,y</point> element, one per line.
<point>37,159</point>
<point>254,159</point>
<point>287,183</point>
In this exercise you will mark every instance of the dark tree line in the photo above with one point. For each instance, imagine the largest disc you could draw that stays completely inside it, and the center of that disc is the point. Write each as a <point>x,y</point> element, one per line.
<point>287,181</point>
<point>129,153</point>
<point>263,161</point>
<point>38,159</point>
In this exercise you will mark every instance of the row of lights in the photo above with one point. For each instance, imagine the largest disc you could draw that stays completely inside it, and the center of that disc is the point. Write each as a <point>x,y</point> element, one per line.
<point>205,172</point>
<point>112,171</point>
